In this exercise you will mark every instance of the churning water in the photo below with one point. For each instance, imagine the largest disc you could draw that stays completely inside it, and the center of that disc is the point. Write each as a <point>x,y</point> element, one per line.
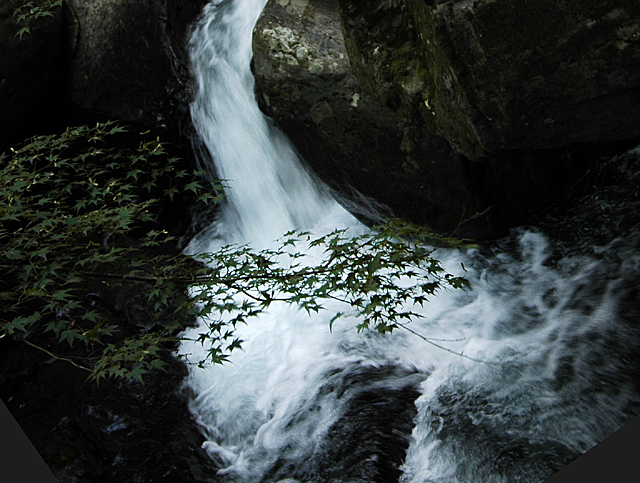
<point>302,404</point>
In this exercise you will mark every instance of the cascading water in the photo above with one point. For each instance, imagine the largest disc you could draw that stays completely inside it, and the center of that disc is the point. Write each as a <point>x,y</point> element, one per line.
<point>300,403</point>
<point>271,192</point>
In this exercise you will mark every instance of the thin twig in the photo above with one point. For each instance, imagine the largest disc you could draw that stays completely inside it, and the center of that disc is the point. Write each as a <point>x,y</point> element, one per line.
<point>55,356</point>
<point>480,361</point>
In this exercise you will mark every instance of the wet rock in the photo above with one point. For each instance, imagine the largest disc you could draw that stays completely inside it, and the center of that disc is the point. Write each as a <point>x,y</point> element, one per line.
<point>114,431</point>
<point>429,86</point>
<point>368,442</point>
<point>490,75</point>
<point>603,211</point>
<point>490,441</point>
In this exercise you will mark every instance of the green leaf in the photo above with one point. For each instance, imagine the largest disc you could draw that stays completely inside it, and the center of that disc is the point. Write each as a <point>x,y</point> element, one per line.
<point>137,373</point>
<point>14,254</point>
<point>70,336</point>
<point>171,191</point>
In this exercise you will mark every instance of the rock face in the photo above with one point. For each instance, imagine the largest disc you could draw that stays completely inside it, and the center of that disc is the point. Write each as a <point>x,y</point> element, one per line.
<point>119,59</point>
<point>88,433</point>
<point>306,83</point>
<point>431,85</point>
<point>27,66</point>
<point>130,60</point>
<point>503,74</point>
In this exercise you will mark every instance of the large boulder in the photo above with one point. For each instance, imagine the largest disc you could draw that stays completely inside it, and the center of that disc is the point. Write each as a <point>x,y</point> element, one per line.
<point>430,86</point>
<point>119,59</point>
<point>27,67</point>
<point>354,142</point>
<point>130,60</point>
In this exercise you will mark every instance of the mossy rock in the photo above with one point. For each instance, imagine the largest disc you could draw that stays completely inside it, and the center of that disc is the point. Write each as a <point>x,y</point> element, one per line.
<point>503,74</point>
<point>347,131</point>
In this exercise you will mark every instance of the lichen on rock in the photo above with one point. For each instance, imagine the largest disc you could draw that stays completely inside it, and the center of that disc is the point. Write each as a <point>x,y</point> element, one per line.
<point>442,82</point>
<point>285,46</point>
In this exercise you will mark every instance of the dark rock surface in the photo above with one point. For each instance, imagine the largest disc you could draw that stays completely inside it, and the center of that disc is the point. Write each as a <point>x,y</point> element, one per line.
<point>490,75</point>
<point>112,431</point>
<point>117,59</point>
<point>88,433</point>
<point>368,442</point>
<point>130,61</point>
<point>347,136</point>
<point>28,66</point>
<point>603,211</point>
<point>401,120</point>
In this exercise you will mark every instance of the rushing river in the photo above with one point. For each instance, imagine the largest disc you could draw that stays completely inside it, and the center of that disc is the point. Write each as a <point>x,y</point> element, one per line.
<point>301,403</point>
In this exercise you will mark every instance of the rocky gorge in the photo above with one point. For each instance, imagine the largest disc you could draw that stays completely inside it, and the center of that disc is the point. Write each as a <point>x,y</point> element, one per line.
<point>429,110</point>
<point>433,111</point>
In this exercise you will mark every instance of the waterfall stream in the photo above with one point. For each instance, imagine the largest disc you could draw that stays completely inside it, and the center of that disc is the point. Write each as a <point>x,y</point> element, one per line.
<point>301,403</point>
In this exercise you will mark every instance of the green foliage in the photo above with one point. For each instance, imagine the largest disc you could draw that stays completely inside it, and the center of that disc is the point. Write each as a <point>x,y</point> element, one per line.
<point>375,276</point>
<point>77,213</point>
<point>28,13</point>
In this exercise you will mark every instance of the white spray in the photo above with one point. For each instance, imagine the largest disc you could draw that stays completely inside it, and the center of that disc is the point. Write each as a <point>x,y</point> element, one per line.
<point>270,402</point>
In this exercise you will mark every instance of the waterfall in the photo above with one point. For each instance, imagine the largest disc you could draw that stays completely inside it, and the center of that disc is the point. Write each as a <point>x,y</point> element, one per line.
<point>271,193</point>
<point>301,403</point>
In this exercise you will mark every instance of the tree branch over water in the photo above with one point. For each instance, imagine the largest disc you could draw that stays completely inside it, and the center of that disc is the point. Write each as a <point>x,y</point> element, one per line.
<point>76,211</point>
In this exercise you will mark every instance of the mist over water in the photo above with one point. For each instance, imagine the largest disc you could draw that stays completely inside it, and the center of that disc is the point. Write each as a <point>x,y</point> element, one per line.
<point>301,403</point>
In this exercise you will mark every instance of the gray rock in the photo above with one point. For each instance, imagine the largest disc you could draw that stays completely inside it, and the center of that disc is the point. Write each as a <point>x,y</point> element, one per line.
<point>430,86</point>
<point>354,142</point>
<point>503,74</point>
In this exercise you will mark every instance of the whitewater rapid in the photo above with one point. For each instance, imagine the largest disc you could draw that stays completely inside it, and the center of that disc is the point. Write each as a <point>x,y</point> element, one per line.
<point>301,403</point>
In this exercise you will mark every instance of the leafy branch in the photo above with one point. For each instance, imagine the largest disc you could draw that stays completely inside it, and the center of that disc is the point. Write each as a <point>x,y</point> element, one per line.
<point>78,215</point>
<point>28,13</point>
<point>72,204</point>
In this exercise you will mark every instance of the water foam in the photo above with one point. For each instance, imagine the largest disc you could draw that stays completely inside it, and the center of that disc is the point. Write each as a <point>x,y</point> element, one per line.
<point>554,381</point>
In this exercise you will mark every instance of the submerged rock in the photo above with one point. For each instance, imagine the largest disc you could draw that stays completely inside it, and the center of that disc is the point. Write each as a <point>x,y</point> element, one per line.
<point>368,441</point>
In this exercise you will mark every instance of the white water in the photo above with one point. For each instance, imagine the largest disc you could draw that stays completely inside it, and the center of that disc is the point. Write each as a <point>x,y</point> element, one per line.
<point>271,413</point>
<point>271,192</point>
